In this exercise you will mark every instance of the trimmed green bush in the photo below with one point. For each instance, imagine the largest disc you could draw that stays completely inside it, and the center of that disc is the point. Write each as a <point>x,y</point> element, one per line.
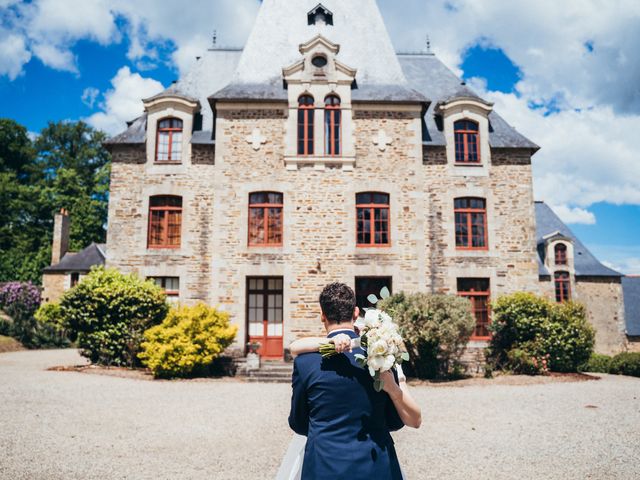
<point>554,336</point>
<point>597,363</point>
<point>187,342</point>
<point>50,328</point>
<point>109,312</point>
<point>435,328</point>
<point>626,363</point>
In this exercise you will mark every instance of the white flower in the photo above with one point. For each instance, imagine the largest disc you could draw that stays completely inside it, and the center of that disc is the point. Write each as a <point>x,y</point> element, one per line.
<point>389,362</point>
<point>379,347</point>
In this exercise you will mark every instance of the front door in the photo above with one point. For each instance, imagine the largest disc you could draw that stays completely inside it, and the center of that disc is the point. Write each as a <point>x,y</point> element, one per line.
<point>264,315</point>
<point>366,286</point>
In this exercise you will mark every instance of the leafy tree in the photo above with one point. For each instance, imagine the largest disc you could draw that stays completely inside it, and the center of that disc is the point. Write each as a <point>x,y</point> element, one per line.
<point>66,167</point>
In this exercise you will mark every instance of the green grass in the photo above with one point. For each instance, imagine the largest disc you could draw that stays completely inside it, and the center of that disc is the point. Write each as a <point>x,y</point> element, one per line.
<point>8,344</point>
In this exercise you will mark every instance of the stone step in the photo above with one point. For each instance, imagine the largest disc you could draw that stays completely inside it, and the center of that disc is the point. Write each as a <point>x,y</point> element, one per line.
<point>268,380</point>
<point>267,374</point>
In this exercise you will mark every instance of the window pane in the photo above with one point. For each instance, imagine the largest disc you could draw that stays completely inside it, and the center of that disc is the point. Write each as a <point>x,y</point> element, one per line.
<point>364,198</point>
<point>256,226</point>
<point>381,198</point>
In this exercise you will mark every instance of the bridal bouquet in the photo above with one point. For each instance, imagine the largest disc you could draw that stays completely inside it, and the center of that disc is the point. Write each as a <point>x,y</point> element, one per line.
<point>381,341</point>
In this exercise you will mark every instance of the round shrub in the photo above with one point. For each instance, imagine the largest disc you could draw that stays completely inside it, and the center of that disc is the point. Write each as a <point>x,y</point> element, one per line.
<point>626,363</point>
<point>435,328</point>
<point>554,336</point>
<point>187,342</point>
<point>597,363</point>
<point>109,311</point>
<point>20,300</point>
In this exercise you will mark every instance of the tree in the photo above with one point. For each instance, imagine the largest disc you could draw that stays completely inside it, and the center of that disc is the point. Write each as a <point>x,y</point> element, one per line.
<point>66,167</point>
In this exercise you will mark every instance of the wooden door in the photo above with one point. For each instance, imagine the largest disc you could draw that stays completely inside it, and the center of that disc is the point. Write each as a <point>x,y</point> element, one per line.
<point>265,315</point>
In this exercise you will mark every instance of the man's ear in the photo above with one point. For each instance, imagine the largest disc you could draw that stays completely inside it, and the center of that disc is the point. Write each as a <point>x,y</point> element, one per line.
<point>356,312</point>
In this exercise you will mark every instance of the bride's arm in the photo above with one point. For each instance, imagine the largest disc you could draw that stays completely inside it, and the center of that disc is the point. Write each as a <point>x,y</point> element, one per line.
<point>312,344</point>
<point>305,345</point>
<point>406,406</point>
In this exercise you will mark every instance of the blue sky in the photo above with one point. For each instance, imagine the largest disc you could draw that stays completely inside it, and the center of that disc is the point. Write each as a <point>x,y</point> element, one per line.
<point>547,67</point>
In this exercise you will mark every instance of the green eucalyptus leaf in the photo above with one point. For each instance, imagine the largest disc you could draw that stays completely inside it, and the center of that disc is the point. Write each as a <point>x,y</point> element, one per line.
<point>405,356</point>
<point>372,299</point>
<point>384,293</point>
<point>378,385</point>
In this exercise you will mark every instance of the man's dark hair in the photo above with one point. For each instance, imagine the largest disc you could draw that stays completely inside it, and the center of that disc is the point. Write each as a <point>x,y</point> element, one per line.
<point>338,302</point>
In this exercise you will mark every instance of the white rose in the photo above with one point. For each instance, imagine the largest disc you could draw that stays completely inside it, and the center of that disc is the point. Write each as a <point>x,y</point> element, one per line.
<point>375,363</point>
<point>371,316</point>
<point>389,361</point>
<point>378,347</point>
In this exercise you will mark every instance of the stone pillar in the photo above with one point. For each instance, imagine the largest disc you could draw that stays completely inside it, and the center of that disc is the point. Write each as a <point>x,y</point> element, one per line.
<point>60,244</point>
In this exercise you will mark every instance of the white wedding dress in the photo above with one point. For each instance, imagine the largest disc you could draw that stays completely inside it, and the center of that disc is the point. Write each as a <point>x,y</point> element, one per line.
<point>291,467</point>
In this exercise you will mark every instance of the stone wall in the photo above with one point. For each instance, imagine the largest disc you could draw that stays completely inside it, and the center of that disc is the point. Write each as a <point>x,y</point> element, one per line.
<point>53,286</point>
<point>319,245</point>
<point>605,311</point>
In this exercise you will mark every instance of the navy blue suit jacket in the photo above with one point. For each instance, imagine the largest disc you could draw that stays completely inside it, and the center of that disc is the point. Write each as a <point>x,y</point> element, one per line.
<point>347,423</point>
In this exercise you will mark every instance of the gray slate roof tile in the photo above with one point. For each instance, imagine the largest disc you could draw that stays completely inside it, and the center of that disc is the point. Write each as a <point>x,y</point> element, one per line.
<point>81,261</point>
<point>631,292</point>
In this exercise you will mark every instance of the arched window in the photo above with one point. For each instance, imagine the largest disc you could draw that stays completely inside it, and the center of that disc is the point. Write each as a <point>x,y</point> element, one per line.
<point>372,213</point>
<point>332,128</point>
<point>560,254</point>
<point>265,219</point>
<point>563,286</point>
<point>471,223</point>
<point>169,140</point>
<point>466,141</point>
<point>305,125</point>
<point>165,221</point>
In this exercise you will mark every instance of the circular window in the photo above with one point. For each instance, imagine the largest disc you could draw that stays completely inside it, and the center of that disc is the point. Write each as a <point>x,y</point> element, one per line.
<point>319,61</point>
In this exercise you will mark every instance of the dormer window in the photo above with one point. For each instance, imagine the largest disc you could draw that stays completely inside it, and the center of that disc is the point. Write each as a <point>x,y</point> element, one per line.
<point>320,16</point>
<point>466,138</point>
<point>560,252</point>
<point>332,128</point>
<point>305,125</point>
<point>169,140</point>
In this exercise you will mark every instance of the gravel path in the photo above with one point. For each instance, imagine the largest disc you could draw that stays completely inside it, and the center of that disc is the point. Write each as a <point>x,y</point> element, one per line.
<point>69,425</point>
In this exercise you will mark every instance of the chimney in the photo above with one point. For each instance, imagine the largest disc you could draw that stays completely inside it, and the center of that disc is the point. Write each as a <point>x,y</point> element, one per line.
<point>60,244</point>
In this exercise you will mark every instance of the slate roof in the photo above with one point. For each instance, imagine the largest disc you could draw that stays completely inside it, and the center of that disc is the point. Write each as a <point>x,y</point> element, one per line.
<point>211,72</point>
<point>547,222</point>
<point>255,72</point>
<point>81,261</point>
<point>428,75</point>
<point>631,293</point>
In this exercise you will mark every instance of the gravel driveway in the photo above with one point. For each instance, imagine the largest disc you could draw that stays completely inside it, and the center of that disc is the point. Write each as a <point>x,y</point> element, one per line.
<point>69,425</point>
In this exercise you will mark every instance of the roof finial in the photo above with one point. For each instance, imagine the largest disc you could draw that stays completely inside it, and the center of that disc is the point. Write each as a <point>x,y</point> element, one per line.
<point>428,45</point>
<point>215,38</point>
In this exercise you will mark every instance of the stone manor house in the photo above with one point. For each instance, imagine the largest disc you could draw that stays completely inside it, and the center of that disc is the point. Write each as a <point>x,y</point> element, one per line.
<point>318,153</point>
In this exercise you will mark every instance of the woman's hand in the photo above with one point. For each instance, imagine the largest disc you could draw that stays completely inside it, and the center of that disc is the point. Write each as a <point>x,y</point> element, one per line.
<point>389,384</point>
<point>342,342</point>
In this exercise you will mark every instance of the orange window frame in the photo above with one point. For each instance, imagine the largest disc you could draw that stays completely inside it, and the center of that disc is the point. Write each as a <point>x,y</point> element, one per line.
<point>372,207</point>
<point>164,238</point>
<point>562,279</point>
<point>462,138</point>
<point>469,212</point>
<point>333,111</point>
<point>307,112</point>
<point>170,131</point>
<point>560,254</point>
<point>266,208</point>
<point>472,295</point>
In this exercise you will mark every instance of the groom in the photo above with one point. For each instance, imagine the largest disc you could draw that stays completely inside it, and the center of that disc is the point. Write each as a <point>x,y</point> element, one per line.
<point>347,423</point>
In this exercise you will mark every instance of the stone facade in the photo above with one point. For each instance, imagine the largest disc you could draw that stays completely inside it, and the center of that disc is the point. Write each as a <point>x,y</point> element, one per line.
<point>214,260</point>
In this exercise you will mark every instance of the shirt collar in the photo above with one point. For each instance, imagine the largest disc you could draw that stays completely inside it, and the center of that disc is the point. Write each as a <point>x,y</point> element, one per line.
<point>346,331</point>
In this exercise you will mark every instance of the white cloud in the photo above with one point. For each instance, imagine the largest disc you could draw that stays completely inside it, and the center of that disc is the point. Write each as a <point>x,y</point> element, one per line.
<point>55,57</point>
<point>13,54</point>
<point>123,102</point>
<point>574,215</point>
<point>89,96</point>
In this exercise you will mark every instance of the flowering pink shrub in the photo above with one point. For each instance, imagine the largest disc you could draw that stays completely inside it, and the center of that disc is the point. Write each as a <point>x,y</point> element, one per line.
<point>20,300</point>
